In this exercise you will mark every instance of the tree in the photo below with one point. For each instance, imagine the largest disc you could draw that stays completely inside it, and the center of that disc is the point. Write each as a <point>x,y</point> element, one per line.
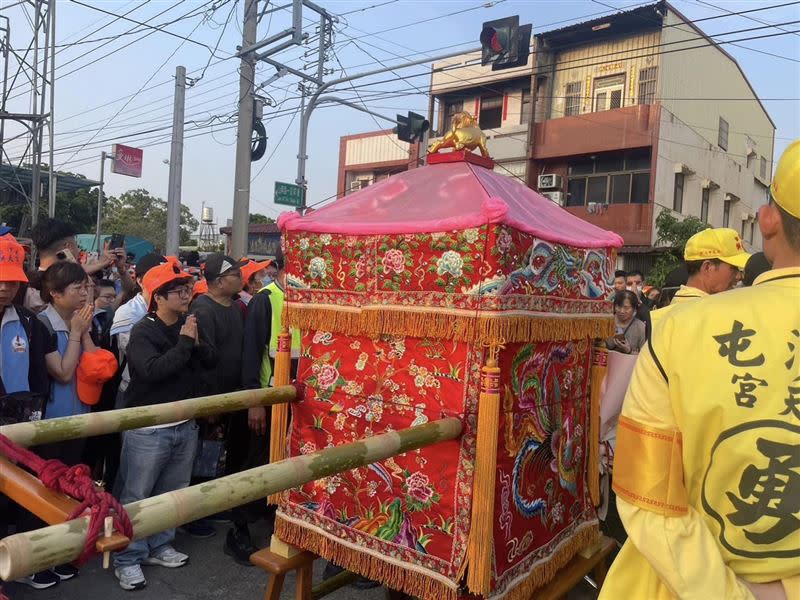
<point>78,207</point>
<point>672,233</point>
<point>258,219</point>
<point>137,213</point>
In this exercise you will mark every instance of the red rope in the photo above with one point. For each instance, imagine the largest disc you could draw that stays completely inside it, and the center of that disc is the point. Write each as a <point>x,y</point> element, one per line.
<point>77,483</point>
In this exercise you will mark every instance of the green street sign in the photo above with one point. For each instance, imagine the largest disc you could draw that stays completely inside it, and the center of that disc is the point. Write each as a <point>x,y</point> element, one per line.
<point>289,194</point>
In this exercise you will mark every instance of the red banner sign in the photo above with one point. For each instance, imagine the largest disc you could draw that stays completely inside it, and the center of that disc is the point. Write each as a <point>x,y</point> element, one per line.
<point>127,160</point>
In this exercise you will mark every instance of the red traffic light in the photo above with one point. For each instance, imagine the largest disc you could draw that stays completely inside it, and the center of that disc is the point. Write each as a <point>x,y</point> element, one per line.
<point>490,39</point>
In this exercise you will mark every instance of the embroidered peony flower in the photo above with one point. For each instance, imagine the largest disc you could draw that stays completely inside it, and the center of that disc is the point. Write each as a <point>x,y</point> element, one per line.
<point>317,267</point>
<point>325,238</point>
<point>303,243</point>
<point>417,479</point>
<point>471,235</point>
<point>450,263</point>
<point>308,448</point>
<point>393,261</point>
<point>504,241</point>
<point>327,376</point>
<point>422,495</point>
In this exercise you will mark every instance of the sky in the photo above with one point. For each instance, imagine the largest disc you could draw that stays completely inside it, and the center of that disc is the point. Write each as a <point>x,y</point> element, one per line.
<point>114,85</point>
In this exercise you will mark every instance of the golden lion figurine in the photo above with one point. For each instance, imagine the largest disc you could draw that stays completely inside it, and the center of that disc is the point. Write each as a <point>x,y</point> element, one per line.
<point>464,133</point>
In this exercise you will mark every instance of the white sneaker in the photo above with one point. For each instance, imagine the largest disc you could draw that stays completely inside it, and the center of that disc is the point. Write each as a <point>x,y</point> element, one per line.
<point>167,557</point>
<point>130,577</point>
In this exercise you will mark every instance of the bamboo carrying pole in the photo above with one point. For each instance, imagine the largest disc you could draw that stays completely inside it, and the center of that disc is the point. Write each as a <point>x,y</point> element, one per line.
<point>25,553</point>
<point>34,433</point>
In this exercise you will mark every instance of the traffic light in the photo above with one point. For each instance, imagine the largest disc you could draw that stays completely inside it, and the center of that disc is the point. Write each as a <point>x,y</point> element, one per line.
<point>505,44</point>
<point>411,128</point>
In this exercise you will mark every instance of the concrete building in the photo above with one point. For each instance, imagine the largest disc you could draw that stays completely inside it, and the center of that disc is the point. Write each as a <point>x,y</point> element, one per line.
<point>619,118</point>
<point>642,112</point>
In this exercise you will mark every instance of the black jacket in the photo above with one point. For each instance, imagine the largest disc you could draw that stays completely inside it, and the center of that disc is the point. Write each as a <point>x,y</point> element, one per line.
<point>164,365</point>
<point>257,333</point>
<point>41,343</point>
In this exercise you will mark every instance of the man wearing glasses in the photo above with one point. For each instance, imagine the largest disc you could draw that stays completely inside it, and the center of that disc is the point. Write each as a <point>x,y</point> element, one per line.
<point>166,358</point>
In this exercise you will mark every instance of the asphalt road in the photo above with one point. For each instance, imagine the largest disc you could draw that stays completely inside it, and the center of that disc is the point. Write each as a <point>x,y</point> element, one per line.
<point>210,575</point>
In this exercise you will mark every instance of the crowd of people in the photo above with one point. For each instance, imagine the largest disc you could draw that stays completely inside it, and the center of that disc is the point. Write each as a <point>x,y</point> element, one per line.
<point>715,364</point>
<point>87,335</point>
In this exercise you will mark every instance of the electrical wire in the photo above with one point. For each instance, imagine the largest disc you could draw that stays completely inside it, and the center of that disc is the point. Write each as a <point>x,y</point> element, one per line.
<point>149,79</point>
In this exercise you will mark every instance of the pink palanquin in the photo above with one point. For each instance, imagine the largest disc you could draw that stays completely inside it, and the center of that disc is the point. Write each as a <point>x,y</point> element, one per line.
<point>399,289</point>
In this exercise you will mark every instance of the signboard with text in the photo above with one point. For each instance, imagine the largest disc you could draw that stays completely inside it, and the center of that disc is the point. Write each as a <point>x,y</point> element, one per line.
<point>289,194</point>
<point>126,160</point>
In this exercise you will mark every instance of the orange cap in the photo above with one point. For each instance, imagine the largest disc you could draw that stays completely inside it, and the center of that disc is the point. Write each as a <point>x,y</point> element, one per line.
<point>12,259</point>
<point>94,369</point>
<point>253,267</point>
<point>161,275</point>
<point>200,288</point>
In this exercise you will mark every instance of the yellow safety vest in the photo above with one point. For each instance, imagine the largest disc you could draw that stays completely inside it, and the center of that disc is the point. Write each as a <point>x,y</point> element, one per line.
<point>685,294</point>
<point>707,462</point>
<point>276,299</point>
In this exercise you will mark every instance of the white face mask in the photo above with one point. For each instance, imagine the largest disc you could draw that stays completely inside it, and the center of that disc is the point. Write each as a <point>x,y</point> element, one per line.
<point>266,281</point>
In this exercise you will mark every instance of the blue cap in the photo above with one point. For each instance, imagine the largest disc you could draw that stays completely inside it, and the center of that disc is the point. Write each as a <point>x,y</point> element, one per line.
<point>4,230</point>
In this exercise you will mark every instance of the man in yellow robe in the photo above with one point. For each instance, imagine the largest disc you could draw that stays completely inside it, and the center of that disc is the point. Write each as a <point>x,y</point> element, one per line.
<point>714,258</point>
<point>707,469</point>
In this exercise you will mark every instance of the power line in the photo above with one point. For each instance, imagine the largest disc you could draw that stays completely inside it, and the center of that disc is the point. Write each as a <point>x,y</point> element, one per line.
<point>148,26</point>
<point>149,79</point>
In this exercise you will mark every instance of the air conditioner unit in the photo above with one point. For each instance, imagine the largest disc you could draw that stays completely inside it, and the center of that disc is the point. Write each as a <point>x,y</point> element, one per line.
<point>557,197</point>
<point>550,181</point>
<point>745,216</point>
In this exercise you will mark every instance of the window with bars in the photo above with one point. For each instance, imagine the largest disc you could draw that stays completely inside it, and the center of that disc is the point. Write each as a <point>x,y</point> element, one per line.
<point>763,167</point>
<point>491,114</point>
<point>572,104</point>
<point>722,138</point>
<point>608,92</point>
<point>647,85</point>
<point>677,194</point>
<point>704,202</point>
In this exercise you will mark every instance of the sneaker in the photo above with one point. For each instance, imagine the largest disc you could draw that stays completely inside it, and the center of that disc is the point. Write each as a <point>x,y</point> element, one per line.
<point>200,529</point>
<point>65,572</point>
<point>130,577</point>
<point>41,580</point>
<point>167,557</point>
<point>239,546</point>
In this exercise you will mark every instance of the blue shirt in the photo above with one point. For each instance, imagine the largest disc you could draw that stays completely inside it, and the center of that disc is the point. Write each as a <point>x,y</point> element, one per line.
<point>64,401</point>
<point>14,353</point>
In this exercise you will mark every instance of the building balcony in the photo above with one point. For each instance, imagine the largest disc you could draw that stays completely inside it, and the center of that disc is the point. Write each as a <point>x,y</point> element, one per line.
<point>632,221</point>
<point>588,133</point>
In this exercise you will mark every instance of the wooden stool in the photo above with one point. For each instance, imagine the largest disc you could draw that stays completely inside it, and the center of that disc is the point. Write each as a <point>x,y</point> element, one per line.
<point>278,567</point>
<point>571,574</point>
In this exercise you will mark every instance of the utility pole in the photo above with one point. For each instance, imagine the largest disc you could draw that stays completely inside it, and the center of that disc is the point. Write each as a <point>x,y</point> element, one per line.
<point>103,157</point>
<point>241,184</point>
<point>176,164</point>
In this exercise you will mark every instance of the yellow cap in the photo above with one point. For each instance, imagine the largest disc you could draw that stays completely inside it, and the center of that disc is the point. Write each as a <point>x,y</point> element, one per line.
<point>722,243</point>
<point>785,186</point>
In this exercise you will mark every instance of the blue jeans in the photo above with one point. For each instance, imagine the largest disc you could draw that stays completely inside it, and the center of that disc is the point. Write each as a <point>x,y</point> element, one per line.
<point>153,462</point>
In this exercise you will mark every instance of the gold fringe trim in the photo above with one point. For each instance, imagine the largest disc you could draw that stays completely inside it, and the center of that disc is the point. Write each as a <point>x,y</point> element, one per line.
<point>367,565</point>
<point>480,545</point>
<point>279,427</point>
<point>543,573</point>
<point>598,373</point>
<point>442,323</point>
